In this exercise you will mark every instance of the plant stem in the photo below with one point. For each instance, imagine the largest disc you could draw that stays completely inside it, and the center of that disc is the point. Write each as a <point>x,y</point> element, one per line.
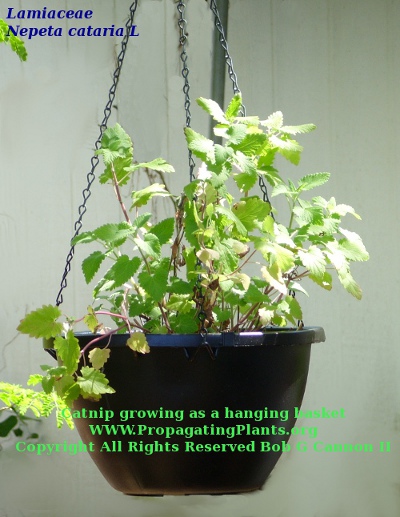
<point>118,194</point>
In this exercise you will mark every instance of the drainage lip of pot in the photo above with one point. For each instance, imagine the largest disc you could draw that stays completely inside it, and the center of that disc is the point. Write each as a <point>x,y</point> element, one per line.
<point>272,336</point>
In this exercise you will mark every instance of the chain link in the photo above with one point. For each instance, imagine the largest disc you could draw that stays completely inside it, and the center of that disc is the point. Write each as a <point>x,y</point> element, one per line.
<point>182,24</point>
<point>86,193</point>
<point>233,78</point>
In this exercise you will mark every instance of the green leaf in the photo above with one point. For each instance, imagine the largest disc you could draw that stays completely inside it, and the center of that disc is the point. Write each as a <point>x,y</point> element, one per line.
<point>91,265</point>
<point>213,109</point>
<point>251,144</point>
<point>179,286</point>
<point>251,211</point>
<point>181,303</point>
<point>150,246</point>
<point>236,133</point>
<point>273,276</point>
<point>7,425</point>
<point>155,282</point>
<point>93,383</point>
<point>307,214</point>
<point>311,181</point>
<point>142,197</point>
<point>115,143</point>
<point>164,230</point>
<point>113,233</point>
<point>68,351</point>
<point>91,320</point>
<point>234,107</point>
<point>314,260</point>
<point>117,151</point>
<point>16,44</point>
<point>98,357</point>
<point>352,246</point>
<point>274,122</point>
<point>184,323</point>
<point>288,148</point>
<point>138,343</point>
<point>324,281</point>
<point>231,216</point>
<point>301,129</point>
<point>159,165</point>
<point>42,323</point>
<point>343,210</point>
<point>348,282</point>
<point>294,308</point>
<point>83,238</point>
<point>201,146</point>
<point>122,270</point>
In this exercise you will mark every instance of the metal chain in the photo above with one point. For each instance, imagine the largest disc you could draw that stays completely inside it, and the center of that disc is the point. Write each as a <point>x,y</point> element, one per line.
<point>233,78</point>
<point>182,24</point>
<point>95,159</point>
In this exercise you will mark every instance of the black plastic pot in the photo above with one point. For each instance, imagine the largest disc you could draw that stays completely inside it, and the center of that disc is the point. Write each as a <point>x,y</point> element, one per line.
<point>245,372</point>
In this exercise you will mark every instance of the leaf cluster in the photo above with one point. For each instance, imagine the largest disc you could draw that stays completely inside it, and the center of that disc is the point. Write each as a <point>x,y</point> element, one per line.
<point>224,260</point>
<point>19,402</point>
<point>16,44</point>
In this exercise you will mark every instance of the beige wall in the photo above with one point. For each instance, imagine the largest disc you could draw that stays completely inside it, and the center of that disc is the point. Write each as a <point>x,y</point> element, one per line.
<point>332,62</point>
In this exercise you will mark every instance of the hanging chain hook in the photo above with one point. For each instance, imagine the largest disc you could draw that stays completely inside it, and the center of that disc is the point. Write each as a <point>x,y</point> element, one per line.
<point>95,159</point>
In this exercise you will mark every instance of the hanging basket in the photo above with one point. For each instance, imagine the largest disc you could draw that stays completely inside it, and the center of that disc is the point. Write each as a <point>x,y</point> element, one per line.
<point>222,413</point>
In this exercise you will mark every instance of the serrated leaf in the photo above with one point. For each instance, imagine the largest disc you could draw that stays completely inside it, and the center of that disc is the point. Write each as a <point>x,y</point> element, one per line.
<point>98,357</point>
<point>115,143</point>
<point>274,122</point>
<point>143,196</point>
<point>207,256</point>
<point>138,343</point>
<point>301,129</point>
<point>83,238</point>
<point>352,246</point>
<point>231,216</point>
<point>179,286</point>
<point>251,144</point>
<point>353,250</point>
<point>325,281</point>
<point>273,276</point>
<point>311,181</point>
<point>184,323</point>
<point>213,109</point>
<point>117,151</point>
<point>159,165</point>
<point>150,246</point>
<point>122,270</point>
<point>181,303</point>
<point>344,209</point>
<point>265,316</point>
<point>91,265</point>
<point>251,211</point>
<point>155,283</point>
<point>294,308</point>
<point>91,320</point>
<point>164,230</point>
<point>314,260</point>
<point>348,282</point>
<point>114,233</point>
<point>42,323</point>
<point>201,146</point>
<point>236,133</point>
<point>93,383</point>
<point>68,351</point>
<point>234,107</point>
